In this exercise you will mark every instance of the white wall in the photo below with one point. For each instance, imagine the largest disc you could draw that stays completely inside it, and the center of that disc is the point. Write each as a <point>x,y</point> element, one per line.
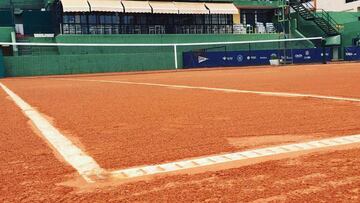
<point>338,5</point>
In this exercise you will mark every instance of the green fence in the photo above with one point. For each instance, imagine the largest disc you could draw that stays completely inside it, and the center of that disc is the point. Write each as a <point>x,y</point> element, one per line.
<point>5,34</point>
<point>91,63</point>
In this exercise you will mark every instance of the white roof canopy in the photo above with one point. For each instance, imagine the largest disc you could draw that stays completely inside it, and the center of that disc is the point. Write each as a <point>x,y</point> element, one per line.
<point>167,7</point>
<point>191,8</point>
<point>75,6</point>
<point>222,8</point>
<point>106,5</point>
<point>136,6</point>
<point>159,7</point>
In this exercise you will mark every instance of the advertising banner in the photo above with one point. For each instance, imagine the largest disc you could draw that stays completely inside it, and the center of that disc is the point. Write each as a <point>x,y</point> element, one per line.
<point>249,58</point>
<point>352,53</point>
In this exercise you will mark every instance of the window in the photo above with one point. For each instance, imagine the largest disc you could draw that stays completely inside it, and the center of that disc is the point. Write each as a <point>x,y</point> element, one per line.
<point>137,23</point>
<point>77,19</point>
<point>199,19</point>
<point>128,20</point>
<point>66,19</point>
<point>222,19</point>
<point>73,24</point>
<point>92,19</point>
<point>116,19</point>
<point>214,19</point>
<point>83,19</point>
<point>207,20</point>
<point>71,19</point>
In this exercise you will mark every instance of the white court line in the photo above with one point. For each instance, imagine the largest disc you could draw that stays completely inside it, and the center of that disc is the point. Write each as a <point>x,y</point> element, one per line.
<point>231,157</point>
<point>85,165</point>
<point>276,94</point>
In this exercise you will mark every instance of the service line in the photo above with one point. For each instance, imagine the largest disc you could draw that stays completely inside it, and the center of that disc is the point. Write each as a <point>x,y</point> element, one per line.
<point>85,165</point>
<point>275,94</point>
<point>232,157</point>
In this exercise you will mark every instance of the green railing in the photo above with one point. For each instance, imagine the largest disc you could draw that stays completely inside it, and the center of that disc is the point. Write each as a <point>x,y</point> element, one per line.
<point>320,13</point>
<point>257,3</point>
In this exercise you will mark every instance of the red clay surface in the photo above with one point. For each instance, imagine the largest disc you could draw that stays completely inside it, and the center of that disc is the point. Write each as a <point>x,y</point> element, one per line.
<point>130,125</point>
<point>125,125</point>
<point>31,173</point>
<point>28,167</point>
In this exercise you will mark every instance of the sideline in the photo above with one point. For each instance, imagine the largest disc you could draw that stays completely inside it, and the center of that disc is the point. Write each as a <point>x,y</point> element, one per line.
<point>265,93</point>
<point>85,165</point>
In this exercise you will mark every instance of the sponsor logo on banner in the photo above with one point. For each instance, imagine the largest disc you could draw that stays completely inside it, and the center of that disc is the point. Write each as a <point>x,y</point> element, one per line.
<point>350,54</point>
<point>227,58</point>
<point>202,59</point>
<point>322,54</point>
<point>299,56</point>
<point>258,57</point>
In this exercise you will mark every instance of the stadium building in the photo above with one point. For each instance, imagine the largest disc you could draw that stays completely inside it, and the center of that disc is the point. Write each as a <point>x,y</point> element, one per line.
<point>338,5</point>
<point>158,22</point>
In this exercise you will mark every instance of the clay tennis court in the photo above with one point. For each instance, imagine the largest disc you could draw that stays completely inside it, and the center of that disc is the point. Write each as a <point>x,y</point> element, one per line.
<point>159,120</point>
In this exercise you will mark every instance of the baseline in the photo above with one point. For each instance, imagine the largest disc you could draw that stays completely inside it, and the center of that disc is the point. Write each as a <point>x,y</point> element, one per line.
<point>139,172</point>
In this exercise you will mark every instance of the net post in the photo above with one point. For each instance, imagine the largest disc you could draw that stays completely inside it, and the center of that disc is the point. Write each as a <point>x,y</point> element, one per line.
<point>2,66</point>
<point>175,57</point>
<point>323,46</point>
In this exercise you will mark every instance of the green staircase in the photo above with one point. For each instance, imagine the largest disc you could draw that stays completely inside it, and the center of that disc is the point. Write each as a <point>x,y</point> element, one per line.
<point>320,17</point>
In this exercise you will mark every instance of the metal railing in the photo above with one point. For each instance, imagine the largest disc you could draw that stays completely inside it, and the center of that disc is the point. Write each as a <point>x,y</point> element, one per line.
<point>325,15</point>
<point>321,13</point>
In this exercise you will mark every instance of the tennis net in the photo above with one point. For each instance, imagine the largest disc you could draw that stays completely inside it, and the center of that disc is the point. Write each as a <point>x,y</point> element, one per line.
<point>26,59</point>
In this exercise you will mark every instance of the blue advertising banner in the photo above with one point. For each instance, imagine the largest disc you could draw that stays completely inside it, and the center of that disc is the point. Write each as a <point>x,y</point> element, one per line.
<point>352,53</point>
<point>249,58</point>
